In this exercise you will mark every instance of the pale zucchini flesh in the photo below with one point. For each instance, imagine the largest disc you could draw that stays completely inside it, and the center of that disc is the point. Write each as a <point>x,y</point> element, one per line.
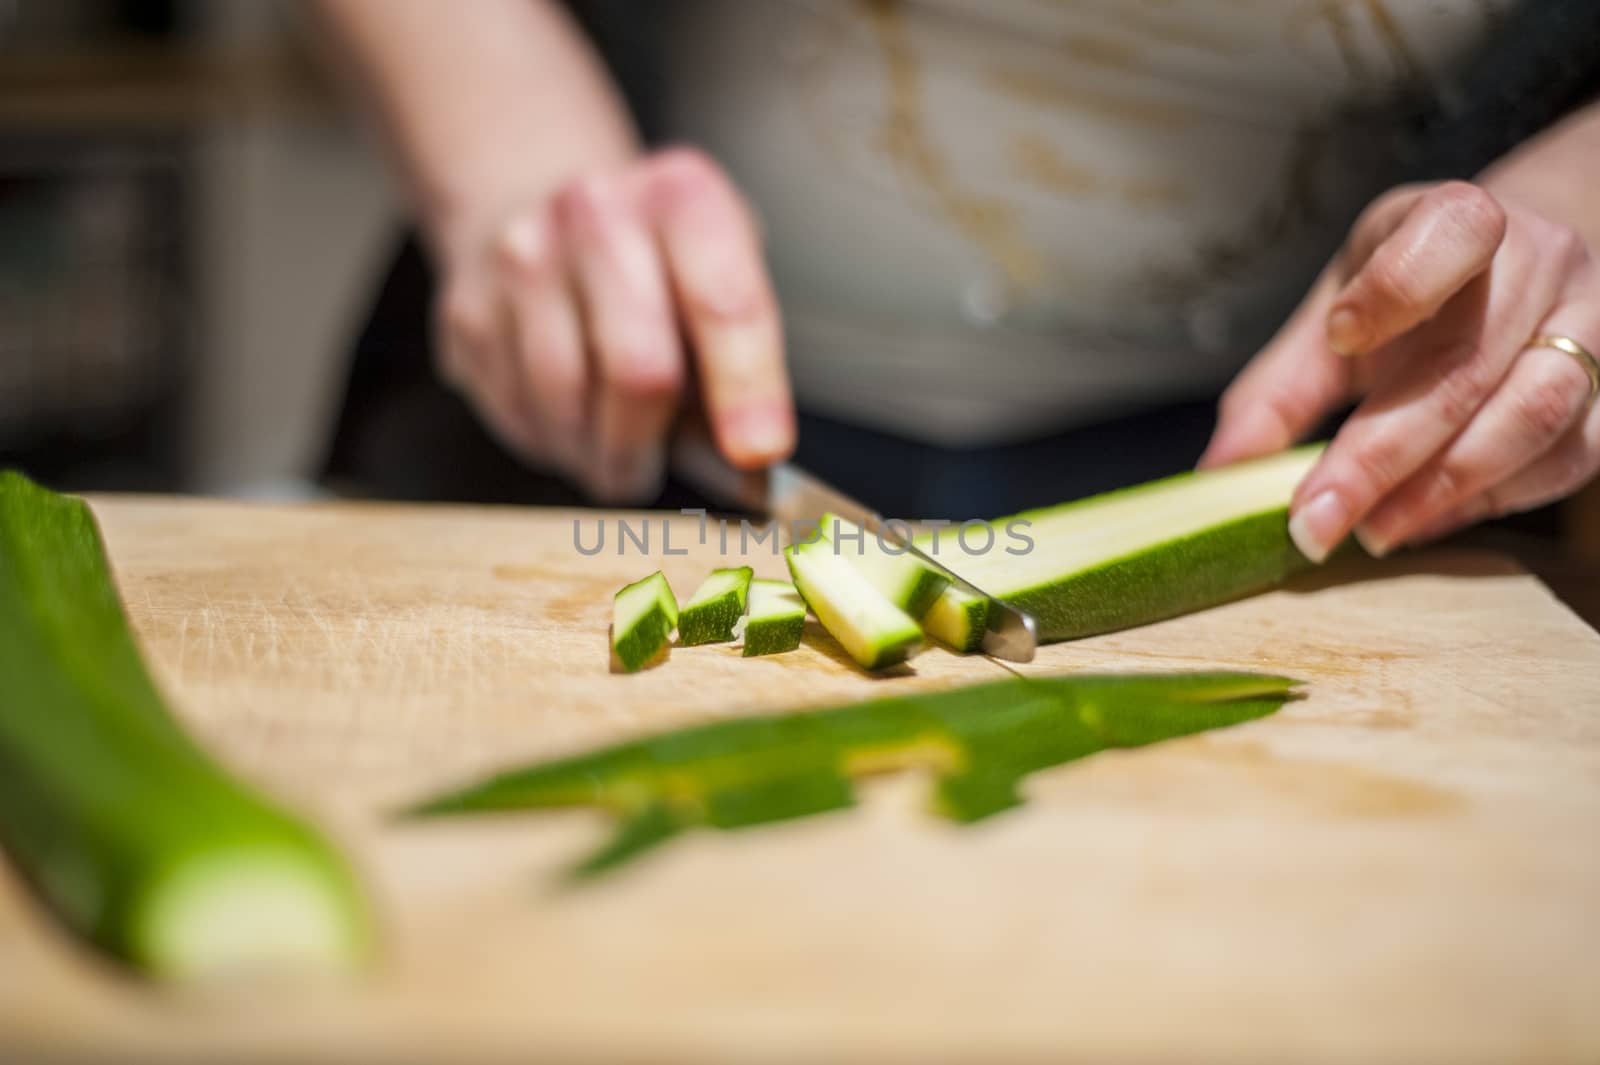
<point>1146,553</point>
<point>958,619</point>
<point>871,629</point>
<point>130,833</point>
<point>714,610</point>
<point>777,618</point>
<point>904,581</point>
<point>643,615</point>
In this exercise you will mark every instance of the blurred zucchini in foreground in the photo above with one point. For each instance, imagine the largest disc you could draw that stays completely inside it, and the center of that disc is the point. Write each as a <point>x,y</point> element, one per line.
<point>131,834</point>
<point>979,742</point>
<point>1132,556</point>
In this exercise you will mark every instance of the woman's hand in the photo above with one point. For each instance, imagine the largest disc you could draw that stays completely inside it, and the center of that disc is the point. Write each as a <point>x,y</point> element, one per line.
<point>1427,313</point>
<point>567,324</point>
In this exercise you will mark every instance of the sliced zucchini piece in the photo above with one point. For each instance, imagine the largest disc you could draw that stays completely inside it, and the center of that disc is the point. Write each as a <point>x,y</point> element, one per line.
<point>777,618</point>
<point>904,581</point>
<point>1143,553</point>
<point>714,610</point>
<point>130,833</point>
<point>957,619</point>
<point>643,615</point>
<point>872,630</point>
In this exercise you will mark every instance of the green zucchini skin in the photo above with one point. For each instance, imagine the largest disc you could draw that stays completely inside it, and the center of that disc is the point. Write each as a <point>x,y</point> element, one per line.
<point>777,620</point>
<point>980,742</point>
<point>713,620</point>
<point>844,600</point>
<point>1206,569</point>
<point>1235,556</point>
<point>124,827</point>
<point>901,579</point>
<point>638,641</point>
<point>957,620</point>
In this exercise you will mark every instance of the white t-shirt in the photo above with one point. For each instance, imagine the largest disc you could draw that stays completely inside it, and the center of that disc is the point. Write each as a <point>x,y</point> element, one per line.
<point>992,218</point>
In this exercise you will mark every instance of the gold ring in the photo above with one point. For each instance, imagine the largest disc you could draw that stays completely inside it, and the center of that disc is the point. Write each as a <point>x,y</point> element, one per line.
<point>1590,364</point>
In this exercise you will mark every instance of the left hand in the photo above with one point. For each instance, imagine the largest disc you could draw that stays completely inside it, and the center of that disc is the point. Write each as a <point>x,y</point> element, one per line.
<point>1427,312</point>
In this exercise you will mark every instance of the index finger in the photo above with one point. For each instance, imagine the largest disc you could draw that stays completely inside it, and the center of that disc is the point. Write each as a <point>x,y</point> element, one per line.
<point>719,278</point>
<point>1445,238</point>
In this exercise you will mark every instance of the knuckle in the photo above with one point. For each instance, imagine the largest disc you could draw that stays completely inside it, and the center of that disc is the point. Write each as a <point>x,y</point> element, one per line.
<point>466,321</point>
<point>555,379</point>
<point>1394,281</point>
<point>737,301</point>
<point>1471,207</point>
<point>586,200</point>
<point>1568,246</point>
<point>1464,382</point>
<point>685,168</point>
<point>526,248</point>
<point>1548,403</point>
<point>679,177</point>
<point>1375,465</point>
<point>1450,481</point>
<point>642,372</point>
<point>1289,406</point>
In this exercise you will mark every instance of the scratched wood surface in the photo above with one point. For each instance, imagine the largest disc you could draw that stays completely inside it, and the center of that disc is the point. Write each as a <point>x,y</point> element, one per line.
<point>1403,866</point>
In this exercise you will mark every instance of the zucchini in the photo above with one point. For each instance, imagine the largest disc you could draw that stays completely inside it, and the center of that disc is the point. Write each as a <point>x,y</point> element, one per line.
<point>1141,554</point>
<point>958,619</point>
<point>130,834</point>
<point>872,630</point>
<point>777,618</point>
<point>715,608</point>
<point>904,581</point>
<point>980,743</point>
<point>643,615</point>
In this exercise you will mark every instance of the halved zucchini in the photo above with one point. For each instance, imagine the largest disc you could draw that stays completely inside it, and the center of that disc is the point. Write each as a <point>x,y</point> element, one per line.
<point>1140,554</point>
<point>130,833</point>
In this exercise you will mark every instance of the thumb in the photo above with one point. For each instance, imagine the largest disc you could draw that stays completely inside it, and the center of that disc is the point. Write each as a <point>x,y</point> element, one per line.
<point>1286,389</point>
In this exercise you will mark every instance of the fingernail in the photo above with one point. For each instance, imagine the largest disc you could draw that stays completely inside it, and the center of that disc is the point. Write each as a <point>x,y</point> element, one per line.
<point>1346,333</point>
<point>1317,527</point>
<point>1374,544</point>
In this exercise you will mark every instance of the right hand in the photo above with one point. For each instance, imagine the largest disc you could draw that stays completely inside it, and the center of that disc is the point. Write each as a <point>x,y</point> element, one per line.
<point>565,324</point>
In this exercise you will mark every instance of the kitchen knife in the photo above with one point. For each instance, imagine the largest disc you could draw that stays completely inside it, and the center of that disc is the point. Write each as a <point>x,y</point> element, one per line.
<point>794,498</point>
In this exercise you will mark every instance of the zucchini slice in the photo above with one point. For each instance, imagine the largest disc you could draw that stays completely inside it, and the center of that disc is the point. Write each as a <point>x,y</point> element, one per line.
<point>904,581</point>
<point>643,615</point>
<point>958,619</point>
<point>777,618</point>
<point>715,608</point>
<point>132,835</point>
<point>872,630</point>
<point>1141,554</point>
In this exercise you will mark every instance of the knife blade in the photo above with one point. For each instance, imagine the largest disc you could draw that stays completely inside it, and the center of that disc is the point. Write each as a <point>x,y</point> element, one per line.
<point>795,498</point>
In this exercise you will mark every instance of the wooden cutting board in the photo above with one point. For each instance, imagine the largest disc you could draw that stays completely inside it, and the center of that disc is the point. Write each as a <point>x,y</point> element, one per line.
<point>1404,866</point>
